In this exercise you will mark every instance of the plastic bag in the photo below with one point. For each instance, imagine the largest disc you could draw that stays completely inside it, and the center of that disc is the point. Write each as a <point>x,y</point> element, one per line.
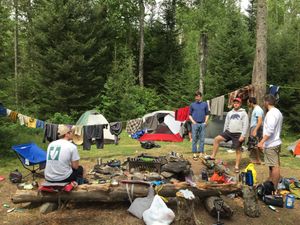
<point>139,205</point>
<point>251,167</point>
<point>158,213</point>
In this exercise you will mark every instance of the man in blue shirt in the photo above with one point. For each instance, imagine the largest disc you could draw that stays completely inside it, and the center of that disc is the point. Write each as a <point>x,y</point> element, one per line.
<point>256,124</point>
<point>199,117</point>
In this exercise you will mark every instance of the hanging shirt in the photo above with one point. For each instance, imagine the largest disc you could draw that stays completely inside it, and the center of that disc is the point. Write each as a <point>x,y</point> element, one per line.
<point>217,106</point>
<point>40,124</point>
<point>134,125</point>
<point>13,116</point>
<point>182,114</point>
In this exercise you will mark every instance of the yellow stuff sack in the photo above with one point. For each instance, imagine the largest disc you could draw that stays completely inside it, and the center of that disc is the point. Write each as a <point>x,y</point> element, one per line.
<point>251,167</point>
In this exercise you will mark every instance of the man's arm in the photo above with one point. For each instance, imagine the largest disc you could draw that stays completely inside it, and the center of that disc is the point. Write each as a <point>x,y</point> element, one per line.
<point>75,164</point>
<point>269,129</point>
<point>226,124</point>
<point>206,114</point>
<point>258,125</point>
<point>190,116</point>
<point>245,124</point>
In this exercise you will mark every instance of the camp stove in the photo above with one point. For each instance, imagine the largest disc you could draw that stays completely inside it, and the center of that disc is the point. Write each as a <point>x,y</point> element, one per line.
<point>145,162</point>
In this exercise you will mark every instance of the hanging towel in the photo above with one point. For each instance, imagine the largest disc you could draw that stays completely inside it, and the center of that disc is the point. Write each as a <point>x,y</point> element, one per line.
<point>13,116</point>
<point>115,128</point>
<point>78,134</point>
<point>40,124</point>
<point>217,106</point>
<point>8,111</point>
<point>31,123</point>
<point>134,125</point>
<point>3,111</point>
<point>182,114</point>
<point>208,105</point>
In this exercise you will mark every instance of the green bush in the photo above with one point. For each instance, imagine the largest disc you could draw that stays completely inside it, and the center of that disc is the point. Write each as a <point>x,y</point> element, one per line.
<point>59,118</point>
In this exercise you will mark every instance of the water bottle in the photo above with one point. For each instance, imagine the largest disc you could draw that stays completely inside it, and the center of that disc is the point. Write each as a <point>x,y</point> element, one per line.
<point>204,175</point>
<point>289,201</point>
<point>249,178</point>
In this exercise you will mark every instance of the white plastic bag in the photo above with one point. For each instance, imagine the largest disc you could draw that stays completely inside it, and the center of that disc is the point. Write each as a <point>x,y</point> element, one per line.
<point>158,213</point>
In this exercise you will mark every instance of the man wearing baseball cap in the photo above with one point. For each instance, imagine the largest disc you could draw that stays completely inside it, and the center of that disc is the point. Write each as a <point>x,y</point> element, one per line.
<point>235,129</point>
<point>62,163</point>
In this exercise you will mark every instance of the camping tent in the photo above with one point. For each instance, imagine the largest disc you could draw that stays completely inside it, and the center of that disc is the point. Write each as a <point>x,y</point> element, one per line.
<point>161,126</point>
<point>295,148</point>
<point>93,117</point>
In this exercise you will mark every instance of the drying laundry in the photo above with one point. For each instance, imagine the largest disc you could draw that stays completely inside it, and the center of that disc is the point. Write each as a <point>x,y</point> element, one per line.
<point>91,133</point>
<point>50,132</point>
<point>182,114</point>
<point>217,106</point>
<point>134,125</point>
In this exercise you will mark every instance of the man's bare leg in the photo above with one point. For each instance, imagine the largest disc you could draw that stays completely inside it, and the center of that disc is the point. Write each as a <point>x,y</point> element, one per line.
<point>217,142</point>
<point>238,158</point>
<point>275,175</point>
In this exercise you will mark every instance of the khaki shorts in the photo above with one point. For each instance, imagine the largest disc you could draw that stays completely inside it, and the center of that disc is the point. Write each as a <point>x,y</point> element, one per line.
<point>271,156</point>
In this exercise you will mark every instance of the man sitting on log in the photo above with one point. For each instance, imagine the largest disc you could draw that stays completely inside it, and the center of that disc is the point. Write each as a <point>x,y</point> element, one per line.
<point>62,163</point>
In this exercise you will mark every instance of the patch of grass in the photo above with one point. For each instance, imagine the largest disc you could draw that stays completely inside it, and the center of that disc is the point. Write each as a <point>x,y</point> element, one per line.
<point>128,147</point>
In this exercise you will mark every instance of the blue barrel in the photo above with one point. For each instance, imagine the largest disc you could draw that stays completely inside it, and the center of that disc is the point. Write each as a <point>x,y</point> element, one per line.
<point>289,201</point>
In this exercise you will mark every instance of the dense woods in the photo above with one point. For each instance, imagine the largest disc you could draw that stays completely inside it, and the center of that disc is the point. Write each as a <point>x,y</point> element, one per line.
<point>129,57</point>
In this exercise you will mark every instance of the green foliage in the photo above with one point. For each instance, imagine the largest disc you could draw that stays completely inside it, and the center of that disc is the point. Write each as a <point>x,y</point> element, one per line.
<point>59,118</point>
<point>14,134</point>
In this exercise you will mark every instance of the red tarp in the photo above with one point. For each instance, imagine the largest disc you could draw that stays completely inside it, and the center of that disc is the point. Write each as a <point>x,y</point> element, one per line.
<point>161,137</point>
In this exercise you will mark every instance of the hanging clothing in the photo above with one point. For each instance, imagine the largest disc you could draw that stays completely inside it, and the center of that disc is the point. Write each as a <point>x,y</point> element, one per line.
<point>217,106</point>
<point>150,123</point>
<point>274,90</point>
<point>31,123</point>
<point>115,129</point>
<point>23,120</point>
<point>8,111</point>
<point>182,114</point>
<point>242,93</point>
<point>134,125</point>
<point>3,111</point>
<point>78,134</point>
<point>93,132</point>
<point>40,124</point>
<point>13,116</point>
<point>208,105</point>
<point>50,132</point>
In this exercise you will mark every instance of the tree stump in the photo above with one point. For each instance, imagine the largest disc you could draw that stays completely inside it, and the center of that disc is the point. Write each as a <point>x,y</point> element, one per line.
<point>251,207</point>
<point>185,211</point>
<point>225,212</point>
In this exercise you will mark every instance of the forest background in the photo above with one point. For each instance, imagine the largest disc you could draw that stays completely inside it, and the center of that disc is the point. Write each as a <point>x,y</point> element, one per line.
<point>60,58</point>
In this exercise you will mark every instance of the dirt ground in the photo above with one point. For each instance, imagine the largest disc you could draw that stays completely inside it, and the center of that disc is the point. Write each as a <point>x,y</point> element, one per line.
<point>108,214</point>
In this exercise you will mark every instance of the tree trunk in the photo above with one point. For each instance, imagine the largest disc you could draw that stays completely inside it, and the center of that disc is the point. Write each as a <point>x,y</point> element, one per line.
<point>226,211</point>
<point>141,55</point>
<point>185,211</point>
<point>259,73</point>
<point>104,193</point>
<point>251,207</point>
<point>202,46</point>
<point>16,50</point>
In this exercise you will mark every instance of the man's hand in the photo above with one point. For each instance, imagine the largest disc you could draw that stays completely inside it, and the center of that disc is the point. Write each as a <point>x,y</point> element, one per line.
<point>260,145</point>
<point>241,139</point>
<point>254,133</point>
<point>206,123</point>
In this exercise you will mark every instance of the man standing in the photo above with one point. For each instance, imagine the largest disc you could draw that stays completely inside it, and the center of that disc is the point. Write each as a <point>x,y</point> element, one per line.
<point>199,118</point>
<point>62,163</point>
<point>271,142</point>
<point>256,124</point>
<point>235,129</point>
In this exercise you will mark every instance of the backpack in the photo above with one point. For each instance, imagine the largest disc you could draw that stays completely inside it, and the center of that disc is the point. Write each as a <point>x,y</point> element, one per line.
<point>149,145</point>
<point>266,188</point>
<point>15,176</point>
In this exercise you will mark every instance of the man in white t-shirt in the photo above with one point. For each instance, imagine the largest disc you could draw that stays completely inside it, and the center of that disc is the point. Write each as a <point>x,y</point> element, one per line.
<point>256,125</point>
<point>62,163</point>
<point>271,142</point>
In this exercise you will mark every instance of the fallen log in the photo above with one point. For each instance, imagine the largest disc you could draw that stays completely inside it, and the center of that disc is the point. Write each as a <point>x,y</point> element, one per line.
<point>104,193</point>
